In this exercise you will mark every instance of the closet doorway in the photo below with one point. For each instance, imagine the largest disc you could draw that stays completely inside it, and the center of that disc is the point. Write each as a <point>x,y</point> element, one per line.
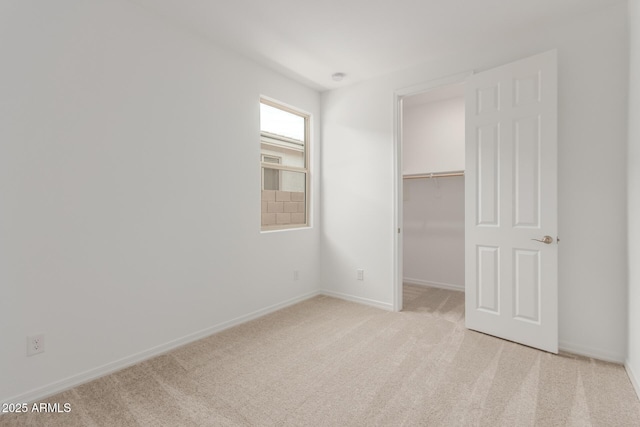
<point>510,200</point>
<point>433,164</point>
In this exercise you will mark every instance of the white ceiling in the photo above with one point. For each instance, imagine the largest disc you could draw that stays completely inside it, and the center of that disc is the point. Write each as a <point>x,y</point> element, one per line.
<point>310,40</point>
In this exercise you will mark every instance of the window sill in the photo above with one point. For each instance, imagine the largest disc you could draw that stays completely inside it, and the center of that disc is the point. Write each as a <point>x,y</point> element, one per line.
<point>273,228</point>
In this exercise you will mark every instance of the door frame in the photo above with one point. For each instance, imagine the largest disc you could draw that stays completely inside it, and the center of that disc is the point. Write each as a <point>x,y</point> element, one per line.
<point>398,189</point>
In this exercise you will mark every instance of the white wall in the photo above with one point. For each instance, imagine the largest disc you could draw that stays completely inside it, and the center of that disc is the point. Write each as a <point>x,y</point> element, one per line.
<point>433,137</point>
<point>357,180</point>
<point>633,191</point>
<point>119,132</point>
<point>433,239</point>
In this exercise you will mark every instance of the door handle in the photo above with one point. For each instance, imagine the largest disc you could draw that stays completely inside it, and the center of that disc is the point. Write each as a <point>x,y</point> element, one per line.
<point>546,239</point>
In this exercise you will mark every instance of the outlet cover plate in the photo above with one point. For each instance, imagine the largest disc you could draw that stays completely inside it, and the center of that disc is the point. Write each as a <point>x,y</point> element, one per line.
<point>35,344</point>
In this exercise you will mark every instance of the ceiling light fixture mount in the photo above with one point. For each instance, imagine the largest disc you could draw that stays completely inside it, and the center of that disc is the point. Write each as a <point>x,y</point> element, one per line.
<point>338,76</point>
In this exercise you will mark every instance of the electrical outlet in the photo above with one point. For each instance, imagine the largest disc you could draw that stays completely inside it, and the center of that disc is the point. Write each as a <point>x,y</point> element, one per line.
<point>360,274</point>
<point>35,344</point>
<point>296,274</point>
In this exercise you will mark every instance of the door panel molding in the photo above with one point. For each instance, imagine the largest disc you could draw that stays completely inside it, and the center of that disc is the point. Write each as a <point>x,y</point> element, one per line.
<point>511,289</point>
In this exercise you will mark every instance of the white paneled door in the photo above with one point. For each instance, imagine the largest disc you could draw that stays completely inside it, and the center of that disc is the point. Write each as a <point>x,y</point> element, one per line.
<point>511,202</point>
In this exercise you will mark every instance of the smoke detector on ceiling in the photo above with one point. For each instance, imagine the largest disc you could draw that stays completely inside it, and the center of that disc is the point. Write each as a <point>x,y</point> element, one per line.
<point>338,76</point>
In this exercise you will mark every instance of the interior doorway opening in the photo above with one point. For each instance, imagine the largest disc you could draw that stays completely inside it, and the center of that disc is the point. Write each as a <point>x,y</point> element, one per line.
<point>434,90</point>
<point>433,193</point>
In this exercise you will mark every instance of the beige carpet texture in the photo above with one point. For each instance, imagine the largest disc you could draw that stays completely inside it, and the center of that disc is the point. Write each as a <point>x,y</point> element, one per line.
<point>328,362</point>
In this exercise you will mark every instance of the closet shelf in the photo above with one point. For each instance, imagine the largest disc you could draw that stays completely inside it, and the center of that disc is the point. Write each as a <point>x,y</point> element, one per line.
<point>433,175</point>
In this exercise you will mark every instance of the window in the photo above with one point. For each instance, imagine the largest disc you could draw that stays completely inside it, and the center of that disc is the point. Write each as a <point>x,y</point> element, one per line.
<point>284,144</point>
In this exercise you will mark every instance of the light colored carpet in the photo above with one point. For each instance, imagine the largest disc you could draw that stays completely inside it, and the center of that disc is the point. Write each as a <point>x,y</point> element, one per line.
<point>327,362</point>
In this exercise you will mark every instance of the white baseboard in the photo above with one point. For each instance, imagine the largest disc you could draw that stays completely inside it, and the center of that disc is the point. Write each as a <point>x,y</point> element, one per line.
<point>95,373</point>
<point>633,378</point>
<point>420,282</point>
<point>360,300</point>
<point>594,353</point>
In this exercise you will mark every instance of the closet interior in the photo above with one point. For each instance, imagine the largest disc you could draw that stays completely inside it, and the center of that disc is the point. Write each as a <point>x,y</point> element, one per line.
<point>433,163</point>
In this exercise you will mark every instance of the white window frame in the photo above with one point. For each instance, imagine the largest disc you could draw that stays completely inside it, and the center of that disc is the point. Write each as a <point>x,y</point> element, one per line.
<point>278,140</point>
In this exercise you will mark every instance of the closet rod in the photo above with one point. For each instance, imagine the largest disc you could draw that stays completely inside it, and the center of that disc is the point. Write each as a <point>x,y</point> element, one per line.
<point>434,175</point>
